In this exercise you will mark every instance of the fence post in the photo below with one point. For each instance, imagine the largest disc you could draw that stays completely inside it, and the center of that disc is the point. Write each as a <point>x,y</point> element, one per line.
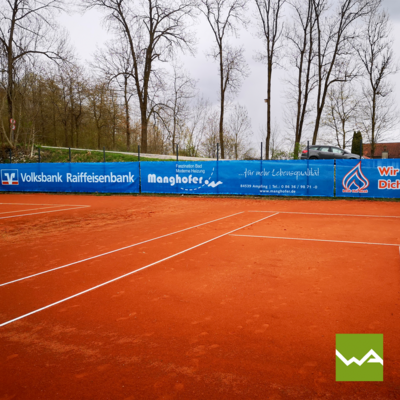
<point>261,168</point>
<point>104,154</point>
<point>10,156</point>
<point>140,173</point>
<point>217,167</point>
<point>361,146</point>
<point>69,154</point>
<point>177,153</point>
<point>39,154</point>
<point>308,158</point>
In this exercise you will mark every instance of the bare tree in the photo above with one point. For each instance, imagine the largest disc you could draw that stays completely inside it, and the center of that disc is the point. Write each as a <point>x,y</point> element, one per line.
<point>153,30</point>
<point>175,110</point>
<point>301,39</point>
<point>239,130</point>
<point>115,64</point>
<point>270,30</point>
<point>97,104</point>
<point>27,29</point>
<point>375,50</point>
<point>196,126</point>
<point>335,36</point>
<point>276,144</point>
<point>341,112</point>
<point>211,137</point>
<point>224,16</point>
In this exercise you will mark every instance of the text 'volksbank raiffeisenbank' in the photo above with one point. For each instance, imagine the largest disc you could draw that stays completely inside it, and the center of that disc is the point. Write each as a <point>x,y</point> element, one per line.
<point>68,177</point>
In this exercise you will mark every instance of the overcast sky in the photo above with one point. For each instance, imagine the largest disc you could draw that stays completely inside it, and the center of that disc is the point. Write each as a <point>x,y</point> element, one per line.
<point>87,33</point>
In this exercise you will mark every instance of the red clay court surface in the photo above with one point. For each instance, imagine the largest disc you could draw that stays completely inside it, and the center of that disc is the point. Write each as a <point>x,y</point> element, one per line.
<point>223,304</point>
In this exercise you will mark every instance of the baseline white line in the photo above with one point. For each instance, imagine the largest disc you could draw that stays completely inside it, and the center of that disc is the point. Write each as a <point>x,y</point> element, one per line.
<point>37,204</point>
<point>340,215</point>
<point>130,273</point>
<point>29,209</point>
<point>46,212</point>
<point>116,250</point>
<point>319,240</point>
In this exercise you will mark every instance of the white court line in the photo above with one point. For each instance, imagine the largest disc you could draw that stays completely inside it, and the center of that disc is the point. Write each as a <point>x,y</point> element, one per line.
<point>130,273</point>
<point>29,209</point>
<point>339,215</point>
<point>37,204</point>
<point>319,240</point>
<point>46,212</point>
<point>114,251</point>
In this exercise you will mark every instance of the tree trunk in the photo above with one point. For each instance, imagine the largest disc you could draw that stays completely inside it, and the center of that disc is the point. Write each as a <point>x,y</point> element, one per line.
<point>373,125</point>
<point>317,123</point>
<point>222,105</point>
<point>10,105</point>
<point>77,137</point>
<point>127,116</point>
<point>143,140</point>
<point>10,83</point>
<point>66,134</point>
<point>54,124</point>
<point>269,84</point>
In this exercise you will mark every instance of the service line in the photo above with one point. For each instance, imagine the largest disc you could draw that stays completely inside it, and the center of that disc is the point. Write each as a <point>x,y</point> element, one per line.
<point>29,209</point>
<point>38,204</point>
<point>46,212</point>
<point>116,250</point>
<point>132,272</point>
<point>319,240</point>
<point>337,215</point>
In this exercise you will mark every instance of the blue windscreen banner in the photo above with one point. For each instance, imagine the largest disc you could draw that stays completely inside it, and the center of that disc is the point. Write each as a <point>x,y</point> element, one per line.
<point>280,178</point>
<point>71,177</point>
<point>368,178</point>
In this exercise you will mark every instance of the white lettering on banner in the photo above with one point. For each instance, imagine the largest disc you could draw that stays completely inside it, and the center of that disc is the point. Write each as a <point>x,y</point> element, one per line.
<point>199,181</point>
<point>41,178</point>
<point>152,178</point>
<point>308,172</point>
<point>80,177</point>
<point>83,177</point>
<point>281,172</point>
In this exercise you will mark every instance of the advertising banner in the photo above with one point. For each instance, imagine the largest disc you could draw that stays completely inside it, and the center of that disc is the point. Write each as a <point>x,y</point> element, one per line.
<point>281,178</point>
<point>71,177</point>
<point>368,178</point>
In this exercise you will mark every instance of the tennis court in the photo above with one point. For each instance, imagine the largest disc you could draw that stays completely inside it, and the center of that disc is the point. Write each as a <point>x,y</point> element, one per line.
<point>120,297</point>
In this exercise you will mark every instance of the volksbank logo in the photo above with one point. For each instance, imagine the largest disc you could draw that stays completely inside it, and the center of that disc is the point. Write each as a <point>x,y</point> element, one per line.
<point>9,177</point>
<point>359,357</point>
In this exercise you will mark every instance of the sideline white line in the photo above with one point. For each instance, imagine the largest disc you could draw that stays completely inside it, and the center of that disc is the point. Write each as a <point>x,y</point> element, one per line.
<point>130,273</point>
<point>319,240</point>
<point>339,215</point>
<point>116,250</point>
<point>29,209</point>
<point>46,212</point>
<point>37,204</point>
